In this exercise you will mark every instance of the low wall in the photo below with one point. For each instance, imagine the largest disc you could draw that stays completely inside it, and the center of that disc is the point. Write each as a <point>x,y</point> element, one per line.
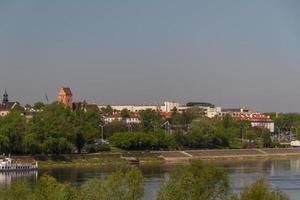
<point>173,155</point>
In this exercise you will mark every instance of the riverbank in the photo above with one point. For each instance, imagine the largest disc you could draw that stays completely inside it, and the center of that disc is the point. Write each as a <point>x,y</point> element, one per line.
<point>161,157</point>
<point>107,162</point>
<point>228,154</point>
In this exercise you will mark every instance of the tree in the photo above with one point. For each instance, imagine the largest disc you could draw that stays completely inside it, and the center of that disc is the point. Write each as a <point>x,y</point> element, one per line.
<point>260,190</point>
<point>191,114</point>
<point>48,188</point>
<point>150,120</point>
<point>87,123</point>
<point>228,121</point>
<point>38,105</point>
<point>115,127</point>
<point>266,139</point>
<point>196,181</point>
<point>79,142</point>
<point>12,132</point>
<point>19,190</point>
<point>124,185</point>
<point>125,113</point>
<point>52,130</point>
<point>108,110</point>
<point>141,141</point>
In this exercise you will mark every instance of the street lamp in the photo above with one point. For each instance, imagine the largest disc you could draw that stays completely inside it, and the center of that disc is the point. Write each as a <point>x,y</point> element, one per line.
<point>102,126</point>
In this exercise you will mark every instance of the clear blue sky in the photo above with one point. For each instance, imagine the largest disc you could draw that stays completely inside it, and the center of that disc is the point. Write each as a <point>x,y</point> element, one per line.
<point>230,53</point>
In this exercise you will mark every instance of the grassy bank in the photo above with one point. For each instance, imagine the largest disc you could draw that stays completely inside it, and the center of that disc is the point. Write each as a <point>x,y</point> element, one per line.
<point>81,162</point>
<point>95,162</point>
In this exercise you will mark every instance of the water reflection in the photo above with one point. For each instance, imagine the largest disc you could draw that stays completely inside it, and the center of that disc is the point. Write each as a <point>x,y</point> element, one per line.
<point>6,178</point>
<point>281,173</point>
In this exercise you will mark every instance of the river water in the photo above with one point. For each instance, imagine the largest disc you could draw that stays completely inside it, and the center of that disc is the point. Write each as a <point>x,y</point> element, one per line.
<point>283,174</point>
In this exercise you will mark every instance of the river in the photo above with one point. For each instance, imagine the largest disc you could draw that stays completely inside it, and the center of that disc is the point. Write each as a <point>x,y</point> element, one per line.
<point>283,174</point>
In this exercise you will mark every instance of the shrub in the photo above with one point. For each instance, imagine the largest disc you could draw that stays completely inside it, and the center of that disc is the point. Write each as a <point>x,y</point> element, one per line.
<point>196,181</point>
<point>102,148</point>
<point>90,148</point>
<point>142,141</point>
<point>260,190</point>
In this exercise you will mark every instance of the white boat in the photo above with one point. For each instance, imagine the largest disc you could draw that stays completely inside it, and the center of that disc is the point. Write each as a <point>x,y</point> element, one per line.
<point>295,143</point>
<point>8,164</point>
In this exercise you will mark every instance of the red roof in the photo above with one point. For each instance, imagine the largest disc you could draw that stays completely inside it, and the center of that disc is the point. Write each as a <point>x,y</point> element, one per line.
<point>166,114</point>
<point>254,117</point>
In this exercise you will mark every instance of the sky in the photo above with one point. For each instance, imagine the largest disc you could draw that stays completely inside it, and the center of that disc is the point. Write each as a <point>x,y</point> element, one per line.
<point>231,53</point>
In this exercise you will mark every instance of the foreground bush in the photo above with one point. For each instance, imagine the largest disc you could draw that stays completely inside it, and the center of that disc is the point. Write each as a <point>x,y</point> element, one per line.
<point>122,185</point>
<point>196,182</point>
<point>192,182</point>
<point>260,190</point>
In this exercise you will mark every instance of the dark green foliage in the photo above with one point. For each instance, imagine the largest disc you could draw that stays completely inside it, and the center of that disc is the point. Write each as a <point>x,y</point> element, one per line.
<point>20,190</point>
<point>151,120</point>
<point>79,141</point>
<point>228,121</point>
<point>125,113</point>
<point>260,190</point>
<point>90,148</point>
<point>114,127</point>
<point>142,141</point>
<point>93,148</point>
<point>38,105</point>
<point>121,185</point>
<point>196,181</point>
<point>12,132</point>
<point>103,148</point>
<point>266,139</point>
<point>204,134</point>
<point>57,129</point>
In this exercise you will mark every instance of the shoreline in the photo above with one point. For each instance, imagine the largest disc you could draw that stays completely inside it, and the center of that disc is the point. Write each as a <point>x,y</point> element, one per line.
<point>159,157</point>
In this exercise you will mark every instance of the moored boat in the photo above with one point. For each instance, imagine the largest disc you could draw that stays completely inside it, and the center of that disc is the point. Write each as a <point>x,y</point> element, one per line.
<point>8,164</point>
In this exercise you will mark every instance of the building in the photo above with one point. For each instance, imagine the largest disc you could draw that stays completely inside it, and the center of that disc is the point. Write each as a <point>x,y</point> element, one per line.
<point>167,106</point>
<point>6,106</point>
<point>116,116</point>
<point>65,97</point>
<point>256,119</point>
<point>209,109</point>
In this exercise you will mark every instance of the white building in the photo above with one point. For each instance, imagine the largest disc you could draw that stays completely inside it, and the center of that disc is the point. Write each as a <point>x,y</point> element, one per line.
<point>167,106</point>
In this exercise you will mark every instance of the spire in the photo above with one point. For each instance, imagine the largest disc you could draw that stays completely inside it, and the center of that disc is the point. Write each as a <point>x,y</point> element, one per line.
<point>5,98</point>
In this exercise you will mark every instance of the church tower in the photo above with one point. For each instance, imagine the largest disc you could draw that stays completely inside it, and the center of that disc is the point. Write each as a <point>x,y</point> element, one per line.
<point>65,97</point>
<point>5,98</point>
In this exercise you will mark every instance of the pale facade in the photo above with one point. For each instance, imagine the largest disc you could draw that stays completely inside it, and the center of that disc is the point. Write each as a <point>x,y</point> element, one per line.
<point>166,107</point>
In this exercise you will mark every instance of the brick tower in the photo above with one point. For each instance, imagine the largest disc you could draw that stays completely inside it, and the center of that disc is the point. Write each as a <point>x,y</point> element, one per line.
<point>65,97</point>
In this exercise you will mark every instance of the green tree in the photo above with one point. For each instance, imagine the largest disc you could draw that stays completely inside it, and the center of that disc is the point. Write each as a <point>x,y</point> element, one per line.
<point>108,110</point>
<point>12,132</point>
<point>38,106</point>
<point>52,130</point>
<point>228,121</point>
<point>115,127</point>
<point>260,190</point>
<point>79,142</point>
<point>151,120</point>
<point>124,185</point>
<point>125,113</point>
<point>91,190</point>
<point>20,190</point>
<point>191,114</point>
<point>48,189</point>
<point>196,181</point>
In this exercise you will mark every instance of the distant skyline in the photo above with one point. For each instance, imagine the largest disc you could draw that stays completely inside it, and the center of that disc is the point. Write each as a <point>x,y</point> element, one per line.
<point>230,53</point>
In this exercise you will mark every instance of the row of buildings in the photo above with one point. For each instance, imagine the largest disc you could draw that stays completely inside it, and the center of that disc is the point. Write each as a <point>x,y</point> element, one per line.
<point>166,108</point>
<point>65,97</point>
